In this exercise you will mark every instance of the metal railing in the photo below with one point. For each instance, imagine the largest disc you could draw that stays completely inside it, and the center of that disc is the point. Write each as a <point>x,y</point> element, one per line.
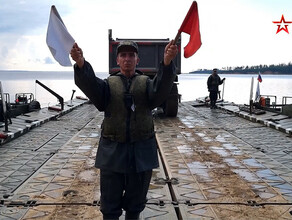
<point>285,98</point>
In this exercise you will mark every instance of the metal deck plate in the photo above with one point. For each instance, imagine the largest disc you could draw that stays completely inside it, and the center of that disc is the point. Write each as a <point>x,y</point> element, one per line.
<point>207,156</point>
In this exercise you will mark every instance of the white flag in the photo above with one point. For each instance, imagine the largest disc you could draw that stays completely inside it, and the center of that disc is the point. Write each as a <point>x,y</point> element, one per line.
<point>59,41</point>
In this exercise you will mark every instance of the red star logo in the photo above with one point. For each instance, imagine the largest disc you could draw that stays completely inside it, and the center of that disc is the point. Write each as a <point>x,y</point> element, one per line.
<point>285,24</point>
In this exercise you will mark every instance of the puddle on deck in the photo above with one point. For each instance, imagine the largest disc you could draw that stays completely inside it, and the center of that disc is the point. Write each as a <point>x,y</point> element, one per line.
<point>252,163</point>
<point>220,151</point>
<point>185,149</point>
<point>247,175</point>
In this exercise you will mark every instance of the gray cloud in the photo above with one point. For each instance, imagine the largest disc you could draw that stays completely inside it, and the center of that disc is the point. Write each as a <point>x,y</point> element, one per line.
<point>18,17</point>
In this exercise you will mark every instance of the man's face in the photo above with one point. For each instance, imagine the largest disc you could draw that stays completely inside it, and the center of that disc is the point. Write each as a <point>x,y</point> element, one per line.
<point>127,60</point>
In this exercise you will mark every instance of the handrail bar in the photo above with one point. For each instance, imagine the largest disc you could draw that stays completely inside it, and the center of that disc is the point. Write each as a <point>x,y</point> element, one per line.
<point>60,98</point>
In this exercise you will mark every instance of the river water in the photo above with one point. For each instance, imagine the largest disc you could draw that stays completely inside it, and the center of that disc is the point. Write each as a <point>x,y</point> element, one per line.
<point>191,86</point>
<point>237,88</point>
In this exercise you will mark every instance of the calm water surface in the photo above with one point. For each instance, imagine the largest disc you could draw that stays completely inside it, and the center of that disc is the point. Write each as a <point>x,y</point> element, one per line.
<point>236,87</point>
<point>191,86</point>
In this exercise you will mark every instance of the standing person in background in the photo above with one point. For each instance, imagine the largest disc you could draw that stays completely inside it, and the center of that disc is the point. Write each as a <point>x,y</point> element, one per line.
<point>127,150</point>
<point>213,83</point>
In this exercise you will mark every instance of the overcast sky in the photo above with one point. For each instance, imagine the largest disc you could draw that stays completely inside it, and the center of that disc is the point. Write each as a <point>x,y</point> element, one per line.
<point>233,32</point>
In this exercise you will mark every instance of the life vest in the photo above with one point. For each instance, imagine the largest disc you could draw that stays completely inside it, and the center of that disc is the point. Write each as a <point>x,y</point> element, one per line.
<point>128,117</point>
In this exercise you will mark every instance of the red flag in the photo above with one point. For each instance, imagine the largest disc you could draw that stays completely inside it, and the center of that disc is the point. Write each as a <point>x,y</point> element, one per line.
<point>190,26</point>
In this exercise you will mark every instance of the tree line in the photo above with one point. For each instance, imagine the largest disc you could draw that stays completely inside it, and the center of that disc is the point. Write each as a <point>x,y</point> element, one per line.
<point>263,69</point>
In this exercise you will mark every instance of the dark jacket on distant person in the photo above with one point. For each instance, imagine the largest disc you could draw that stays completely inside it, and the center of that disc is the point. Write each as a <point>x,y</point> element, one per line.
<point>213,82</point>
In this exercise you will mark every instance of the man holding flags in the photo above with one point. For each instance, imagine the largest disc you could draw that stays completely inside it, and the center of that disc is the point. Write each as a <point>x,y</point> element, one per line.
<point>127,150</point>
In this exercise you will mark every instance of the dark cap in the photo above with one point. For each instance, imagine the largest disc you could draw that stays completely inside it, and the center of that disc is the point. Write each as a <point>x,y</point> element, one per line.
<point>129,44</point>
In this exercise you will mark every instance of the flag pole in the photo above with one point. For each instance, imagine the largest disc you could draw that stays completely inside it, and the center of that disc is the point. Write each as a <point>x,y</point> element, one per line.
<point>177,37</point>
<point>250,97</point>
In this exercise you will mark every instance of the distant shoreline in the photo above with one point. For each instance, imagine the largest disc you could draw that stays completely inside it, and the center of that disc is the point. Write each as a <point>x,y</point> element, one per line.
<point>280,69</point>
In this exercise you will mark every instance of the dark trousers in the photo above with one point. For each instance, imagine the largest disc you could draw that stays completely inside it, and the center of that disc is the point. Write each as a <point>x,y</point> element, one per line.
<point>123,191</point>
<point>213,98</point>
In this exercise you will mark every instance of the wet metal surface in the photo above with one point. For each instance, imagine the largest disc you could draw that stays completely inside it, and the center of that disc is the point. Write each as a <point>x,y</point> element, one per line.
<point>61,170</point>
<point>207,156</point>
<point>43,164</point>
<point>219,157</point>
<point>24,123</point>
<point>277,121</point>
